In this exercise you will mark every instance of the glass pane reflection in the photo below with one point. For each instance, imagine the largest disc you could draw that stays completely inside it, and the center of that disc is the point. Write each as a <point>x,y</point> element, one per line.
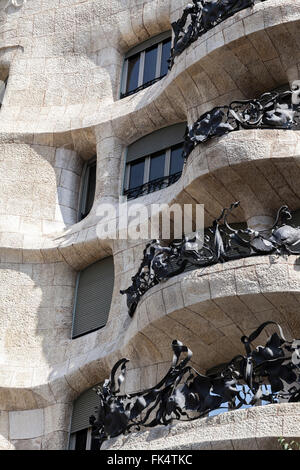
<point>177,160</point>
<point>136,174</point>
<point>133,73</point>
<point>157,166</point>
<point>150,64</point>
<point>166,52</point>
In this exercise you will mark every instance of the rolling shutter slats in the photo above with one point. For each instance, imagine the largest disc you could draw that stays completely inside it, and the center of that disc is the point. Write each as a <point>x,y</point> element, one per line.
<point>159,140</point>
<point>94,294</point>
<point>83,408</point>
<point>150,42</point>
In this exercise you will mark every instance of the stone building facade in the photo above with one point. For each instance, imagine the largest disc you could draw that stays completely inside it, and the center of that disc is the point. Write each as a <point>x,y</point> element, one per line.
<point>62,62</point>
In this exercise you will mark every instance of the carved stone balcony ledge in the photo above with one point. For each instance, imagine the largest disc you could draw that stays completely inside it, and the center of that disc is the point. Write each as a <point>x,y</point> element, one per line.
<point>257,428</point>
<point>210,309</point>
<point>263,375</point>
<point>221,243</point>
<point>272,110</point>
<point>259,167</point>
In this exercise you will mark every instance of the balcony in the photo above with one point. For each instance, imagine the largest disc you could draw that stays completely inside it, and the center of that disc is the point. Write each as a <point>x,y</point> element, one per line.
<point>201,17</point>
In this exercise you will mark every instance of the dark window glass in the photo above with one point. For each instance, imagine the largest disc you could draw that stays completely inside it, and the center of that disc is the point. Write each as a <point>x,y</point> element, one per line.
<point>150,64</point>
<point>296,218</point>
<point>177,160</point>
<point>166,52</point>
<point>133,73</point>
<point>136,174</point>
<point>90,189</point>
<point>157,166</point>
<point>81,440</point>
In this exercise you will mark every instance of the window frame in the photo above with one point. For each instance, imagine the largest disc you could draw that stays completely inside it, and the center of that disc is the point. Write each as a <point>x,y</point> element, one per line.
<point>73,437</point>
<point>82,408</point>
<point>165,139</point>
<point>82,214</point>
<point>147,160</point>
<point>141,50</point>
<point>75,304</point>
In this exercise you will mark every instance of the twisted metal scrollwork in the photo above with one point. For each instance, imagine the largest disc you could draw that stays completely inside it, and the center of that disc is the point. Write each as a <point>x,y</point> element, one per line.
<point>201,16</point>
<point>273,110</point>
<point>270,374</point>
<point>221,243</point>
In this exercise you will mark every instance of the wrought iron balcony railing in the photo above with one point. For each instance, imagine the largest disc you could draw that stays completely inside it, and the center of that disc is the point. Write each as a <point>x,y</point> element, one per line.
<point>197,19</point>
<point>151,186</point>
<point>221,243</point>
<point>272,110</point>
<point>270,374</point>
<point>200,17</point>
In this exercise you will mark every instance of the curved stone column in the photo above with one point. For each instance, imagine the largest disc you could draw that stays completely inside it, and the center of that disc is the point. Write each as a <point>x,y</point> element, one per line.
<point>110,163</point>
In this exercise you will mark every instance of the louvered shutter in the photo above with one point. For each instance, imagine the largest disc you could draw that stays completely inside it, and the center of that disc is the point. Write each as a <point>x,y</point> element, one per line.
<point>93,299</point>
<point>83,408</point>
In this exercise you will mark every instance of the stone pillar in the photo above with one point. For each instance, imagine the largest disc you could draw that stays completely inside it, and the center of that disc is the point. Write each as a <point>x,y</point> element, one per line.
<point>110,164</point>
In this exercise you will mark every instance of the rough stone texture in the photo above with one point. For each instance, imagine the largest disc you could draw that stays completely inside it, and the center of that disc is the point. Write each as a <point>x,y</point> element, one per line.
<point>254,429</point>
<point>61,106</point>
<point>26,424</point>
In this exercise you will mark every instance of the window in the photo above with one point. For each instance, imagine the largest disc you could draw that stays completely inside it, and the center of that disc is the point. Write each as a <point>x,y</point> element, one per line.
<point>81,431</point>
<point>88,188</point>
<point>146,63</point>
<point>94,290</point>
<point>3,84</point>
<point>155,161</point>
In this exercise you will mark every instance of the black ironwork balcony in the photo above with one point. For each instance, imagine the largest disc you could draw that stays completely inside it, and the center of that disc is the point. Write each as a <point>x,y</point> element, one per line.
<point>221,243</point>
<point>200,17</point>
<point>272,110</point>
<point>151,186</point>
<point>270,374</point>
